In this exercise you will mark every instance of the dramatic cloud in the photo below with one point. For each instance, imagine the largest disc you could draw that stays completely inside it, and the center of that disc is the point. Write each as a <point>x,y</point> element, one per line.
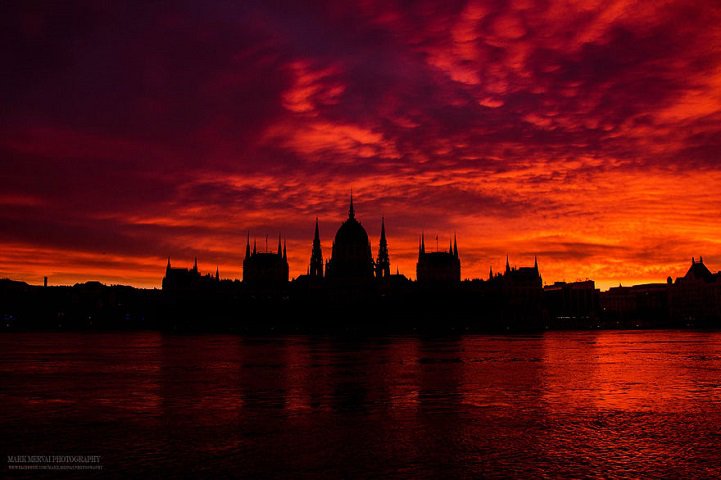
<point>585,133</point>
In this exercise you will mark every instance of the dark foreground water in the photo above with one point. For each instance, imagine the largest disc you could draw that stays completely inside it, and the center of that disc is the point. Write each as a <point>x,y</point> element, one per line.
<point>588,404</point>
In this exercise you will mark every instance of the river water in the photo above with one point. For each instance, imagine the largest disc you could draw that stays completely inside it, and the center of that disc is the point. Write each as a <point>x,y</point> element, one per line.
<point>612,404</point>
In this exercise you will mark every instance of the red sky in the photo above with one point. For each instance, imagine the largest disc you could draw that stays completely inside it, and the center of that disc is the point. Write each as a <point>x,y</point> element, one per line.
<point>586,133</point>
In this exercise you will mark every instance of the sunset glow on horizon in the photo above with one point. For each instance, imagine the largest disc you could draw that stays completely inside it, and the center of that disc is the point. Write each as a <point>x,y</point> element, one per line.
<point>586,134</point>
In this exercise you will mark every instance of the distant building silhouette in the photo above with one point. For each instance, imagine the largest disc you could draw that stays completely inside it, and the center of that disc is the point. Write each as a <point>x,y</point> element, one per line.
<point>572,304</point>
<point>438,268</point>
<point>694,299</point>
<point>351,261</point>
<point>265,269</point>
<point>697,273</point>
<point>522,277</point>
<point>697,295</point>
<point>187,278</point>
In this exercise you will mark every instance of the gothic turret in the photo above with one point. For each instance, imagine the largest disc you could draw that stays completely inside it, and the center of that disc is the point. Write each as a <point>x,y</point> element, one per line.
<point>316,256</point>
<point>383,263</point>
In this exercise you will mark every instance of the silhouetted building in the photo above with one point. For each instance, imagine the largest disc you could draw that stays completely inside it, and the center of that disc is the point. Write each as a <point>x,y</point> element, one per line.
<point>522,277</point>
<point>695,298</point>
<point>187,278</point>
<point>316,256</point>
<point>438,268</point>
<point>572,304</point>
<point>265,269</point>
<point>383,263</point>
<point>351,260</point>
<point>636,306</point>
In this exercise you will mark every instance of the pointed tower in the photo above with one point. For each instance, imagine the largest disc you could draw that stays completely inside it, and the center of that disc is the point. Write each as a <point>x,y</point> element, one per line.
<point>535,263</point>
<point>455,246</point>
<point>280,247</point>
<point>247,246</point>
<point>167,268</point>
<point>508,265</point>
<point>195,265</point>
<point>285,250</point>
<point>423,244</point>
<point>217,273</point>
<point>383,263</point>
<point>316,256</point>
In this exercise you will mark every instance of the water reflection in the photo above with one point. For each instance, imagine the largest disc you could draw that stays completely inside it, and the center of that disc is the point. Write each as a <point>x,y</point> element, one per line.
<point>599,404</point>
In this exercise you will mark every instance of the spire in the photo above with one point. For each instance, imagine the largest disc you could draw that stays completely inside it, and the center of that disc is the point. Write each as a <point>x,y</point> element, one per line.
<point>490,273</point>
<point>351,210</point>
<point>535,263</point>
<point>423,243</point>
<point>316,256</point>
<point>285,250</point>
<point>168,267</point>
<point>383,264</point>
<point>693,260</point>
<point>247,246</point>
<point>217,273</point>
<point>280,247</point>
<point>700,260</point>
<point>455,245</point>
<point>195,265</point>
<point>508,265</point>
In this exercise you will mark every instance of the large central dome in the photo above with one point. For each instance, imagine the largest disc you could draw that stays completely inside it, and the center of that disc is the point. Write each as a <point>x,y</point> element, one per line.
<point>351,257</point>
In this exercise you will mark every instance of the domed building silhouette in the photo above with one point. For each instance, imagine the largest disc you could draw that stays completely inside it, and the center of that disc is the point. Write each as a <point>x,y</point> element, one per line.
<point>351,260</point>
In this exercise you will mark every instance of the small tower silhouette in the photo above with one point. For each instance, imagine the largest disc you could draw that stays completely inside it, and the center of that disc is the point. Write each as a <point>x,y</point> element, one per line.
<point>316,256</point>
<point>383,263</point>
